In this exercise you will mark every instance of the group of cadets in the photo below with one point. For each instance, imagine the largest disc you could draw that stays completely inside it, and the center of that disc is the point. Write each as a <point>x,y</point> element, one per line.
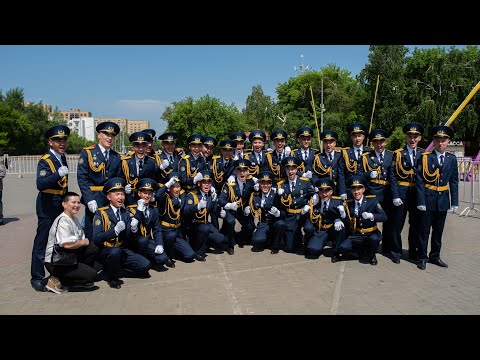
<point>147,209</point>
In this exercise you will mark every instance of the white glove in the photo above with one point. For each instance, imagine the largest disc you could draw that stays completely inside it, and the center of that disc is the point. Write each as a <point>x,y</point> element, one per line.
<point>119,227</point>
<point>159,249</point>
<point>223,213</point>
<point>213,192</point>
<point>172,181</point>
<point>197,178</point>
<point>134,224</point>
<point>62,170</point>
<point>274,189</point>
<point>256,187</point>
<point>422,207</point>
<point>454,209</point>
<point>287,151</point>
<point>367,215</point>
<point>231,179</point>
<point>338,224</point>
<point>231,206</point>
<point>128,189</point>
<point>344,197</point>
<point>164,164</point>
<point>373,174</point>
<point>152,199</point>
<point>141,205</point>
<point>316,189</point>
<point>315,199</point>
<point>247,211</point>
<point>305,209</point>
<point>342,211</point>
<point>280,191</point>
<point>397,202</point>
<point>269,150</point>
<point>307,174</point>
<point>92,206</point>
<point>255,180</point>
<point>274,211</point>
<point>201,204</point>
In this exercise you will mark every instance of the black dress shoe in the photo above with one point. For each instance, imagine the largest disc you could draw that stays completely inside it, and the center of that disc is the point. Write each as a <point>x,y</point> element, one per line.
<point>396,260</point>
<point>439,262</point>
<point>199,257</point>
<point>373,261</point>
<point>169,263</point>
<point>230,251</point>
<point>336,258</point>
<point>114,284</point>
<point>144,275</point>
<point>39,285</point>
<point>274,251</point>
<point>422,264</point>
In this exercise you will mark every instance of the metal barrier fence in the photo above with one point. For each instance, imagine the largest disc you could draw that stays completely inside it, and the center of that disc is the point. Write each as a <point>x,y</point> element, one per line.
<point>27,164</point>
<point>468,174</point>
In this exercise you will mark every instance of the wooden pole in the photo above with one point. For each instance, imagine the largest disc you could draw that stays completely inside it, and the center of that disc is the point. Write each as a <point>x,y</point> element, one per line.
<point>315,115</point>
<point>373,109</point>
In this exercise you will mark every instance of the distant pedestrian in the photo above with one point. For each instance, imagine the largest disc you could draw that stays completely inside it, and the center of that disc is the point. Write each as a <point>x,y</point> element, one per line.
<point>3,172</point>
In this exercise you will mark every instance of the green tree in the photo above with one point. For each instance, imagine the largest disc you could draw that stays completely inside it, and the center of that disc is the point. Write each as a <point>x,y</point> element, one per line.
<point>259,110</point>
<point>76,143</point>
<point>206,116</point>
<point>388,61</point>
<point>15,99</point>
<point>15,130</point>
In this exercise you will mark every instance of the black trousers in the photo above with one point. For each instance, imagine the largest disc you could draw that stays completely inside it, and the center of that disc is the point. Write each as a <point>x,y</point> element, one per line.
<point>436,221</point>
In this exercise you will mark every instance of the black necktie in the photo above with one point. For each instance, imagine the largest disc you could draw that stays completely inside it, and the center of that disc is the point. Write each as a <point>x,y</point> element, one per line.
<point>118,215</point>
<point>357,208</point>
<point>171,159</point>
<point>359,154</point>
<point>381,158</point>
<point>106,155</point>
<point>146,213</point>
<point>330,157</point>
<point>305,156</point>
<point>441,160</point>
<point>281,156</point>
<point>140,165</point>
<point>64,160</point>
<point>226,163</point>
<point>259,158</point>
<point>292,186</point>
<point>413,155</point>
<point>324,210</point>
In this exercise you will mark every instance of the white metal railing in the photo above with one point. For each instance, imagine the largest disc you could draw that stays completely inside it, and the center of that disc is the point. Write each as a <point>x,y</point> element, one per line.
<point>468,173</point>
<point>27,164</point>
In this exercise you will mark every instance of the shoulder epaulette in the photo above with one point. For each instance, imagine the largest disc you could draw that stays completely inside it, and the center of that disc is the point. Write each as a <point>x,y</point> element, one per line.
<point>89,147</point>
<point>371,196</point>
<point>151,157</point>
<point>305,178</point>
<point>419,148</point>
<point>216,157</point>
<point>45,157</point>
<point>132,206</point>
<point>185,156</point>
<point>338,148</point>
<point>366,153</point>
<point>280,182</point>
<point>398,150</point>
<point>337,197</point>
<point>246,153</point>
<point>349,200</point>
<point>346,148</point>
<point>232,184</point>
<point>426,153</point>
<point>182,191</point>
<point>160,185</point>
<point>126,157</point>
<point>104,208</point>
<point>292,152</point>
<point>389,150</point>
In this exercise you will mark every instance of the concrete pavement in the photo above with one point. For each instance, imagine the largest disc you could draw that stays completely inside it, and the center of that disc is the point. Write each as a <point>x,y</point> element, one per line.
<point>249,283</point>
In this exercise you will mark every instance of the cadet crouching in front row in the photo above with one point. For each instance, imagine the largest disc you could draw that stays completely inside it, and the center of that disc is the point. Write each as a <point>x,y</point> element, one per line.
<point>363,214</point>
<point>112,227</point>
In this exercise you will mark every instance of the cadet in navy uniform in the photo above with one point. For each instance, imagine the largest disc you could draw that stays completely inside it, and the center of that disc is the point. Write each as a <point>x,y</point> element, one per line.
<point>327,163</point>
<point>437,189</point>
<point>96,165</point>
<point>209,143</point>
<point>261,205</point>
<point>404,193</point>
<point>295,193</point>
<point>137,165</point>
<point>222,167</point>
<point>305,153</point>
<point>171,200</point>
<point>150,150</point>
<point>377,171</point>
<point>364,212</point>
<point>192,164</point>
<point>148,241</point>
<point>257,156</point>
<point>325,215</point>
<point>112,227</point>
<point>52,183</point>
<point>201,204</point>
<point>239,138</point>
<point>351,163</point>
<point>167,159</point>
<point>275,157</point>
<point>233,199</point>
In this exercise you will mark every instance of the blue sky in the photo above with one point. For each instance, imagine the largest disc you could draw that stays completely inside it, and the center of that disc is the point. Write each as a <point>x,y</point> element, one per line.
<point>138,82</point>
